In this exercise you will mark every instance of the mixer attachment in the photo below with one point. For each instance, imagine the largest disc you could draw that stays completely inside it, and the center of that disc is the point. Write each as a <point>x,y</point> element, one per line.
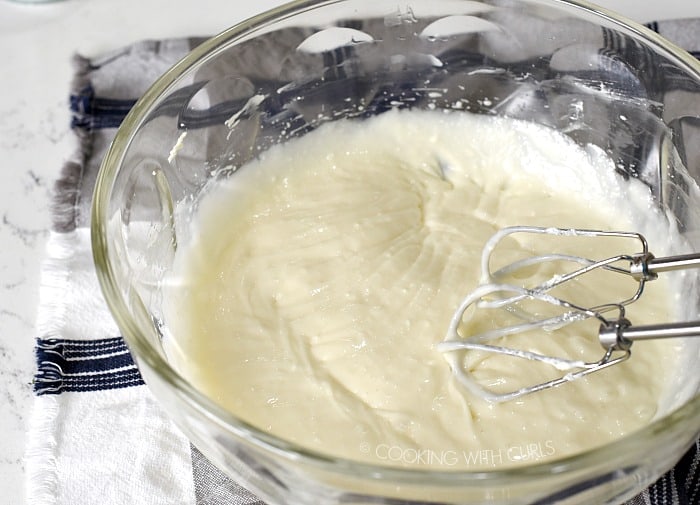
<point>537,295</point>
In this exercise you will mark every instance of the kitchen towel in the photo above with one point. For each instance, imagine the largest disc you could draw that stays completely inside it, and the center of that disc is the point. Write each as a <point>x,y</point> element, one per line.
<point>96,434</point>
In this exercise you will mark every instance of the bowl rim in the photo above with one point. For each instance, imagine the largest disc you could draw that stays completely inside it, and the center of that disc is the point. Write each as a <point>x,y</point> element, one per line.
<point>145,354</point>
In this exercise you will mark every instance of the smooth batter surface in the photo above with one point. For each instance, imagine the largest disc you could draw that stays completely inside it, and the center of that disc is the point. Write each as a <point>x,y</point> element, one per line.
<point>320,277</point>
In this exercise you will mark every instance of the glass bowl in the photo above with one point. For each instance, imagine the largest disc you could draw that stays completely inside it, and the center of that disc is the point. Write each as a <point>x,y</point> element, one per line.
<point>567,65</point>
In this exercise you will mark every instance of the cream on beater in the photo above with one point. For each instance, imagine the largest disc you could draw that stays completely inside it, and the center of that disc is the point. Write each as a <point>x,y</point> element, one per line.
<point>320,278</point>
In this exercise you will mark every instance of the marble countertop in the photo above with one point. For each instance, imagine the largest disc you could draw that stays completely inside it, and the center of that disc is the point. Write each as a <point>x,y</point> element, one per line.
<point>37,41</point>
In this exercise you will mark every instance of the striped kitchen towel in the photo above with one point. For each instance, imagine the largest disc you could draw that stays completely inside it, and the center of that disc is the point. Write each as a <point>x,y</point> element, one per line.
<point>96,434</point>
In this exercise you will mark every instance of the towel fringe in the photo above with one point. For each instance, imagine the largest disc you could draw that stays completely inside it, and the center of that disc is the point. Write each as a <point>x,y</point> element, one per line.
<point>66,191</point>
<point>51,319</point>
<point>42,474</point>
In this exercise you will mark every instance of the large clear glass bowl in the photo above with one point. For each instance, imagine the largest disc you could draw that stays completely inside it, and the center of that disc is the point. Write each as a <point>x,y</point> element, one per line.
<point>568,65</point>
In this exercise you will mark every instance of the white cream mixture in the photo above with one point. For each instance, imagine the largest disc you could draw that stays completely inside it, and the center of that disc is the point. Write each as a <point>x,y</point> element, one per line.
<point>320,277</point>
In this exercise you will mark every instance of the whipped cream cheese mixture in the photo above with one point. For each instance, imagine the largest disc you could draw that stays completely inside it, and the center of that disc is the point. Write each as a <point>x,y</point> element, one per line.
<point>319,279</point>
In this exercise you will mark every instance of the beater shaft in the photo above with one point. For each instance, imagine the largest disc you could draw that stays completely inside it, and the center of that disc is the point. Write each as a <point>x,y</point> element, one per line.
<point>620,334</point>
<point>671,263</point>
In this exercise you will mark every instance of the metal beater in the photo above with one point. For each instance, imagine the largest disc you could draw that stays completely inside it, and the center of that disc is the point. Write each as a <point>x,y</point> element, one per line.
<point>498,291</point>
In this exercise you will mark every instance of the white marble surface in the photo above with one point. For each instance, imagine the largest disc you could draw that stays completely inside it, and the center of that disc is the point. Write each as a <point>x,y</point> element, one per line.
<point>36,43</point>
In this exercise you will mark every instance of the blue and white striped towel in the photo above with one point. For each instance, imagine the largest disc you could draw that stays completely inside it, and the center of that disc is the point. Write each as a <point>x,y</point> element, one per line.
<point>96,434</point>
